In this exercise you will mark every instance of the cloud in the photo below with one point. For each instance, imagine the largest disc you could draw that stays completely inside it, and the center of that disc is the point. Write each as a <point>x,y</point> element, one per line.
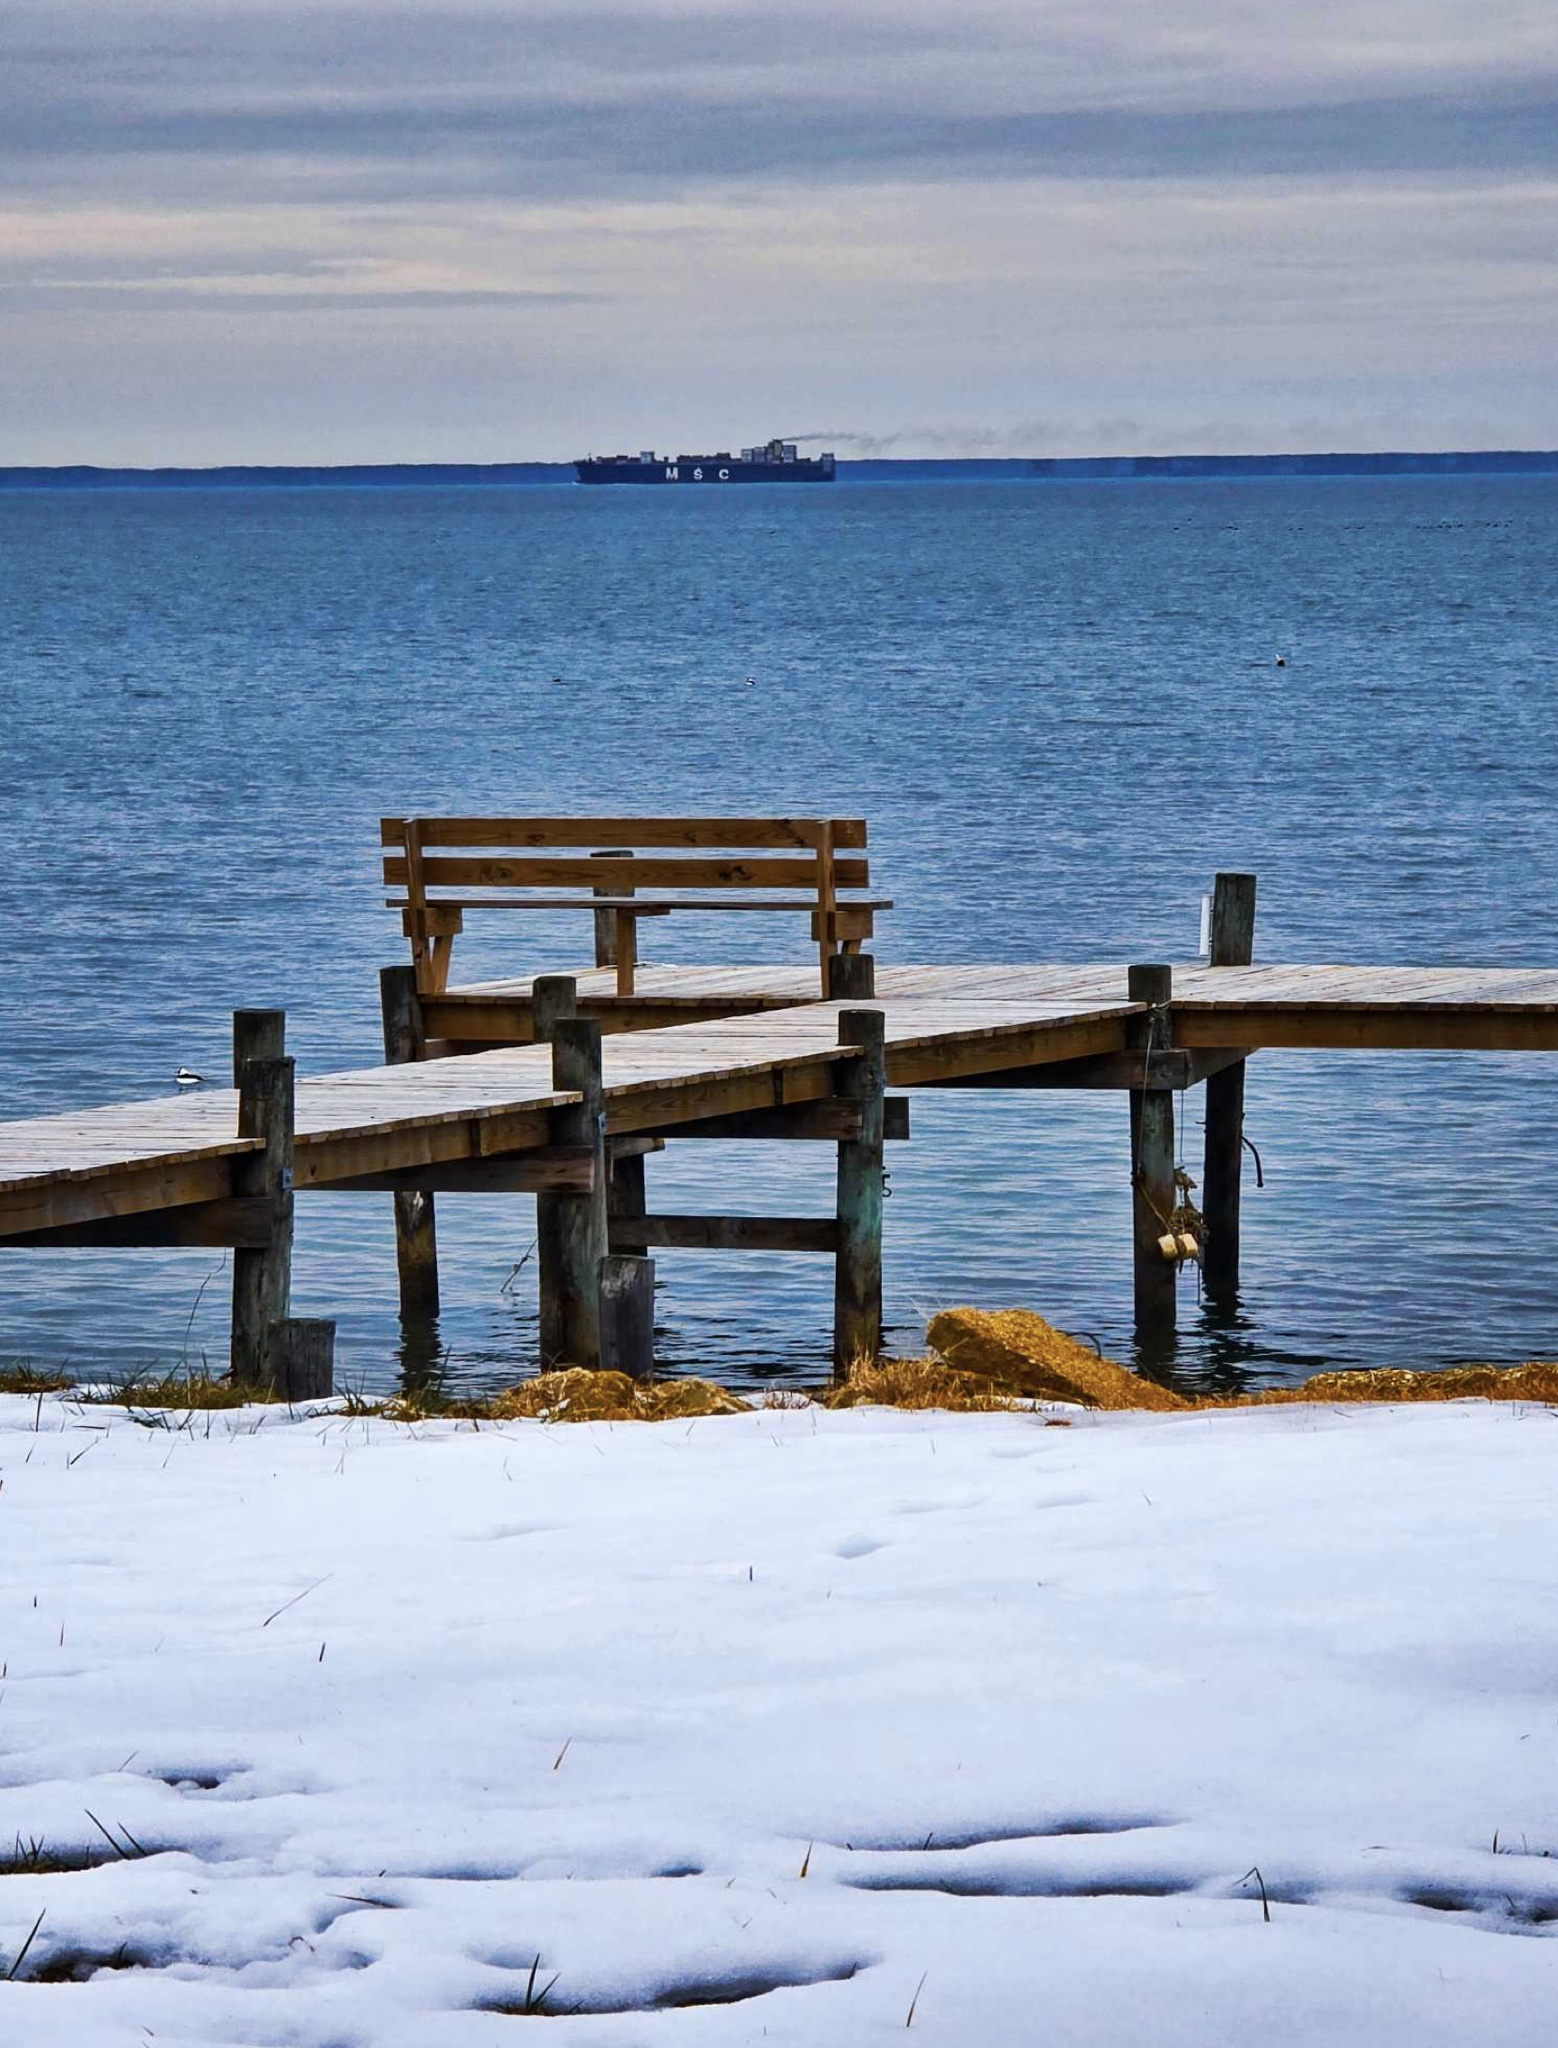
<point>1044,224</point>
<point>423,101</point>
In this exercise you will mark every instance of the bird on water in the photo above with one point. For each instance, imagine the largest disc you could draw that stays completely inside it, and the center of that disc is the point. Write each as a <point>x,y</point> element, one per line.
<point>186,1077</point>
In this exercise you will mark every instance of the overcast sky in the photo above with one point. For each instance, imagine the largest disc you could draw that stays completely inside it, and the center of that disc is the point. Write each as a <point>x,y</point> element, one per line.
<point>256,230</point>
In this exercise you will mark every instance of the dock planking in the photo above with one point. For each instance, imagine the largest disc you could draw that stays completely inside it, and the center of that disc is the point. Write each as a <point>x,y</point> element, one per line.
<point>1290,1006</point>
<point>730,1052</point>
<point>777,1045</point>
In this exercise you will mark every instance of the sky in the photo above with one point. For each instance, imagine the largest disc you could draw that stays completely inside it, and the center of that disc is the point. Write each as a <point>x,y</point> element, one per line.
<point>457,230</point>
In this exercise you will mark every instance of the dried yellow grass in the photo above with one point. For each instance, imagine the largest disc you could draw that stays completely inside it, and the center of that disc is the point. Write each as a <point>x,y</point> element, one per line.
<point>576,1394</point>
<point>916,1383</point>
<point>32,1379</point>
<point>1535,1381</point>
<point>1020,1353</point>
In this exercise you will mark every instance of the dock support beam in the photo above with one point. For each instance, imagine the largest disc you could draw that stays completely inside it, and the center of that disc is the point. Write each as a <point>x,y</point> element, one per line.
<point>571,1229</point>
<point>1232,945</point>
<point>416,1229</point>
<point>262,1276</point>
<point>1152,1171</point>
<point>857,1269</point>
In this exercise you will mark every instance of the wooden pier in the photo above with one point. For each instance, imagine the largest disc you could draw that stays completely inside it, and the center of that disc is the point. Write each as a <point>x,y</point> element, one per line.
<point>562,1087</point>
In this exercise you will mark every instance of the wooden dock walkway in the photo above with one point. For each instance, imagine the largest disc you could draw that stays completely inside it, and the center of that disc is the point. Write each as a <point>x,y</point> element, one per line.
<point>1379,1008</point>
<point>747,1052</point>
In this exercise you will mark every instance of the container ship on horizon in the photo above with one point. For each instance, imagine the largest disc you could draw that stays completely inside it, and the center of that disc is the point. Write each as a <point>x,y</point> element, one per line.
<point>776,462</point>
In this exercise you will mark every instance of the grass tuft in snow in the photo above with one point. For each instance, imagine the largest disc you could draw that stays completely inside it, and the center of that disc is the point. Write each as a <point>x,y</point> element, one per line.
<point>573,1394</point>
<point>175,1390</point>
<point>32,1379</point>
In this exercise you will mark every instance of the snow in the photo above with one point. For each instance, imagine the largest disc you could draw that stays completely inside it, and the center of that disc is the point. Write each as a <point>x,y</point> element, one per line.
<point>798,1712</point>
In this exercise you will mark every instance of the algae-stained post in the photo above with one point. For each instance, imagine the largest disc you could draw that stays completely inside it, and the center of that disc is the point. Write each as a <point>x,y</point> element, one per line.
<point>857,1287</point>
<point>1152,1164</point>
<point>1232,944</point>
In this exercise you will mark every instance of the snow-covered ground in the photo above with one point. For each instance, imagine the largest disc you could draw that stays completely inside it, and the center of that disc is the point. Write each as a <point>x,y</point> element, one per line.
<point>769,1728</point>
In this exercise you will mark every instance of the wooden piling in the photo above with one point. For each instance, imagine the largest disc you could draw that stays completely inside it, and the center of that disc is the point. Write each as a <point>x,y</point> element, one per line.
<point>851,977</point>
<point>302,1358</point>
<point>1152,1169</point>
<point>553,997</point>
<point>627,1315</point>
<point>574,1225</point>
<point>416,1228</point>
<point>1232,945</point>
<point>857,1267</point>
<point>627,1197</point>
<point>262,1276</point>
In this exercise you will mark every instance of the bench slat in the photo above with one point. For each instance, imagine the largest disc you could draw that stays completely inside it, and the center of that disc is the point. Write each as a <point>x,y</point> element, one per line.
<point>772,834</point>
<point>454,871</point>
<point>651,906</point>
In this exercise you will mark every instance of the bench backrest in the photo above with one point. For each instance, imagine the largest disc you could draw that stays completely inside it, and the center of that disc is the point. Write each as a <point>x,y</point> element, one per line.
<point>674,863</point>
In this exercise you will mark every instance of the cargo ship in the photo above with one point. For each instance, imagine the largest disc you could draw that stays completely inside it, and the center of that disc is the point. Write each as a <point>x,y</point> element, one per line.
<point>776,462</point>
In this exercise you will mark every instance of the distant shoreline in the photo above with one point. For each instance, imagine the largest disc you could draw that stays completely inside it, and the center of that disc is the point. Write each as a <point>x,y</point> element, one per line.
<point>1013,469</point>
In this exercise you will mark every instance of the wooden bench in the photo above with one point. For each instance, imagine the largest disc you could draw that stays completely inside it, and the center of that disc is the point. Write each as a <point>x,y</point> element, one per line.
<point>622,869</point>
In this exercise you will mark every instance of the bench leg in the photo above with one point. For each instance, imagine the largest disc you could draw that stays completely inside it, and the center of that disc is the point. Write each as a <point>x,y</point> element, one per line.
<point>627,950</point>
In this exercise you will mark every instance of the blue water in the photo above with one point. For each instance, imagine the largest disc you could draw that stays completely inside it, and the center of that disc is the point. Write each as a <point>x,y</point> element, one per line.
<point>1058,706</point>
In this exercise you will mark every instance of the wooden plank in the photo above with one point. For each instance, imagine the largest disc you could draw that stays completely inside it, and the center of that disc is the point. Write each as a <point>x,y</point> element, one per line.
<point>646,871</point>
<point>240,1221</point>
<point>766,833</point>
<point>825,1120</point>
<point>928,1062</point>
<point>1175,1069</point>
<point>552,1169</point>
<point>136,1190</point>
<point>1339,1027</point>
<point>654,906</point>
<point>727,1233</point>
<point>323,1162</point>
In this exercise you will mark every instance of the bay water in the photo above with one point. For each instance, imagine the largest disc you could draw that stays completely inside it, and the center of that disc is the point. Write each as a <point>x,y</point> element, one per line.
<point>1061,707</point>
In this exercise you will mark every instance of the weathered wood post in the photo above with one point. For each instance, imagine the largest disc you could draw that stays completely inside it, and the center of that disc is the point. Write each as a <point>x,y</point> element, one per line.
<point>1152,1166</point>
<point>552,998</point>
<point>262,1277</point>
<point>606,920</point>
<point>627,1315</point>
<point>416,1228</point>
<point>627,1195</point>
<point>574,1225</point>
<point>1232,945</point>
<point>857,1268</point>
<point>851,977</point>
<point>302,1358</point>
